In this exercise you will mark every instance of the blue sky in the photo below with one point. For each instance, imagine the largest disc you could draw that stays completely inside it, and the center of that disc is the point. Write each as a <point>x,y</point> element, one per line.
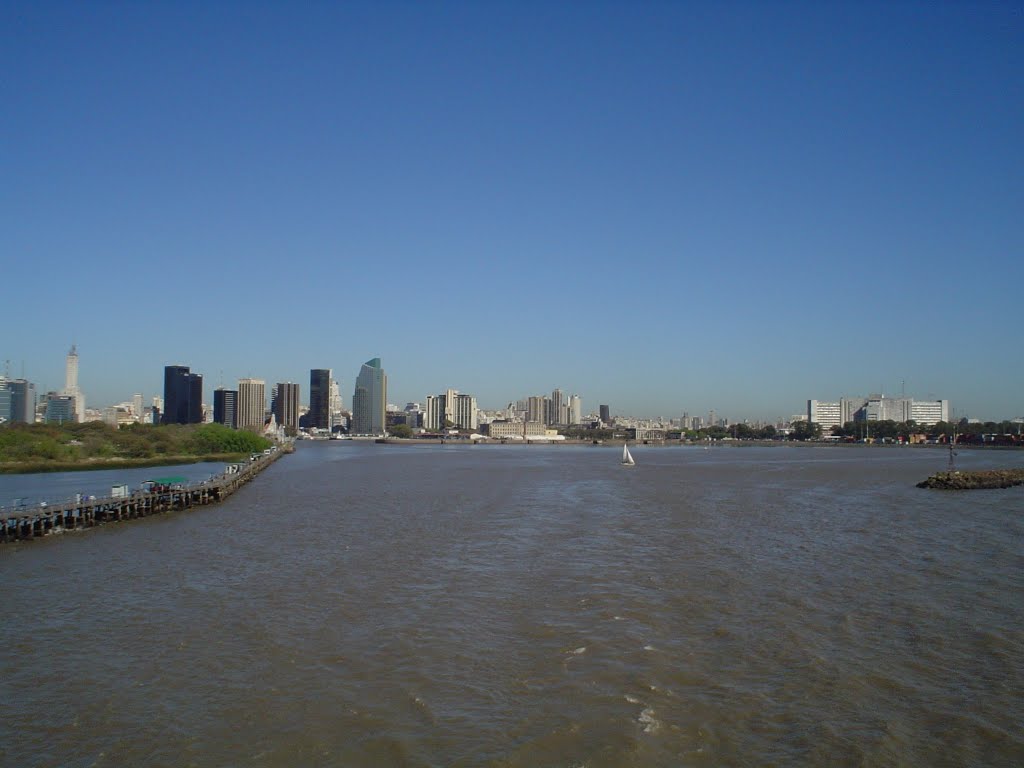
<point>662,206</point>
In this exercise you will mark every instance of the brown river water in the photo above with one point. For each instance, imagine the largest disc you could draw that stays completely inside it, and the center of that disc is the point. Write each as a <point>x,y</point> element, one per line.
<point>365,605</point>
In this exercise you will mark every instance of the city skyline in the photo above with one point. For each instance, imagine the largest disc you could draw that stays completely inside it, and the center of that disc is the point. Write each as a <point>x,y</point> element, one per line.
<point>665,208</point>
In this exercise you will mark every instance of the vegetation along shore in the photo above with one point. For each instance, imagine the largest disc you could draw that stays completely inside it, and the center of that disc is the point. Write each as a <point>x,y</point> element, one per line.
<point>95,445</point>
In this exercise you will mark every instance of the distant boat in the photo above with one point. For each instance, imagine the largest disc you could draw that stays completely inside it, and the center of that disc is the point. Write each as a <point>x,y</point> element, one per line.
<point>627,457</point>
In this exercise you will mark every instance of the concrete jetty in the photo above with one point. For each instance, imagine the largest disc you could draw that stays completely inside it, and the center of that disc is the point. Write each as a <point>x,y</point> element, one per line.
<point>22,525</point>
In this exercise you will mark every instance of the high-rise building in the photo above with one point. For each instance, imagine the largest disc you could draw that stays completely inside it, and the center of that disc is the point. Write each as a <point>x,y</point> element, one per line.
<point>452,408</point>
<point>60,409</point>
<point>137,406</point>
<point>605,414</point>
<point>252,403</point>
<point>320,398</point>
<point>369,399</point>
<point>337,414</point>
<point>537,409</point>
<point>5,400</point>
<point>23,400</point>
<point>827,414</point>
<point>71,386</point>
<point>183,396</point>
<point>286,405</point>
<point>558,409</point>
<point>225,407</point>
<point>575,409</point>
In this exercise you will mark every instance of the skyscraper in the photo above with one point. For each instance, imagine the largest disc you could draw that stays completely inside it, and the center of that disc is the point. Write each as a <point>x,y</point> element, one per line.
<point>575,409</point>
<point>23,400</point>
<point>370,399</point>
<point>225,407</point>
<point>320,398</point>
<point>71,385</point>
<point>286,406</point>
<point>606,417</point>
<point>252,403</point>
<point>180,387</point>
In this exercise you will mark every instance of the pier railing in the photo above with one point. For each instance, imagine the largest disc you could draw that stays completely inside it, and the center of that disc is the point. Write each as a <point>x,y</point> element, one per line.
<point>24,524</point>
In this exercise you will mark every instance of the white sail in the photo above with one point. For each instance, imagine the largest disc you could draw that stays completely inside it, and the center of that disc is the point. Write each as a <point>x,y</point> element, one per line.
<point>627,457</point>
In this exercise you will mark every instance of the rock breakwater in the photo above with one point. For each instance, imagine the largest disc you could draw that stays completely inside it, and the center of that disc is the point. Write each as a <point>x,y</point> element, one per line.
<point>969,481</point>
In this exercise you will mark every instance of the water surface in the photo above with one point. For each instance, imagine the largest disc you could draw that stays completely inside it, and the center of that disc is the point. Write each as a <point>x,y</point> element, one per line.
<point>532,606</point>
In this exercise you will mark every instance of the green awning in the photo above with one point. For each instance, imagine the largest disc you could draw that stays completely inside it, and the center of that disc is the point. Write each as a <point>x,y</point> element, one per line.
<point>167,480</point>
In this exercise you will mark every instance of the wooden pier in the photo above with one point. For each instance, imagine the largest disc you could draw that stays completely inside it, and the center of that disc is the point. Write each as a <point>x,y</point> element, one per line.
<point>22,525</point>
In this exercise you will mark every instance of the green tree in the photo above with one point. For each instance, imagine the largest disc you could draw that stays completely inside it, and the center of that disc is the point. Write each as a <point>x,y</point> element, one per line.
<point>400,430</point>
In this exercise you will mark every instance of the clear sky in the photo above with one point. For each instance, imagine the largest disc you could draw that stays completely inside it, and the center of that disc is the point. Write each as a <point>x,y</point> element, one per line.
<point>661,206</point>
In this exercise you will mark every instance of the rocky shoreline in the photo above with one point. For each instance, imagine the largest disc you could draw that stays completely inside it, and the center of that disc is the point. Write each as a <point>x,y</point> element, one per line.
<point>969,481</point>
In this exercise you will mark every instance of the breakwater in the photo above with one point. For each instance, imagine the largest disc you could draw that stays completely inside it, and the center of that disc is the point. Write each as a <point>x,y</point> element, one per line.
<point>978,480</point>
<point>29,523</point>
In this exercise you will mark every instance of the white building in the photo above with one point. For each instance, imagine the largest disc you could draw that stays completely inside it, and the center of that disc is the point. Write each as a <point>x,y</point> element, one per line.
<point>451,406</point>
<point>826,414</point>
<point>877,408</point>
<point>575,409</point>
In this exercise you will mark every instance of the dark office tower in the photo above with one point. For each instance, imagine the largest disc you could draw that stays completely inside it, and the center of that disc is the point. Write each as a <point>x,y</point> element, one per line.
<point>183,396</point>
<point>606,416</point>
<point>195,398</point>
<point>320,398</point>
<point>370,398</point>
<point>225,407</point>
<point>176,394</point>
<point>23,400</point>
<point>286,406</point>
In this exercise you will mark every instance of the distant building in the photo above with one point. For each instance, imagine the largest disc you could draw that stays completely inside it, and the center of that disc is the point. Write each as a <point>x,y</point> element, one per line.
<point>71,385</point>
<point>369,399</point>
<point>60,409</point>
<point>252,404</point>
<point>319,416</point>
<point>451,407</point>
<point>510,430</point>
<point>286,406</point>
<point>605,414</point>
<point>827,414</point>
<point>557,408</point>
<point>575,409</point>
<point>537,409</point>
<point>183,396</point>
<point>225,407</point>
<point>5,400</point>
<point>876,408</point>
<point>22,400</point>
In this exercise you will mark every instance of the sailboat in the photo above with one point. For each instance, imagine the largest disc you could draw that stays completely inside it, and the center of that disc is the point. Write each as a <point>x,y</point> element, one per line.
<point>627,457</point>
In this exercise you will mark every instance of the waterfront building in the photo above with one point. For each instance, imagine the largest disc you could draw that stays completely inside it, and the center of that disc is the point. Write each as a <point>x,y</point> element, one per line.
<point>605,414</point>
<point>575,409</point>
<point>286,406</point>
<point>319,416</point>
<point>225,407</point>
<point>252,404</point>
<point>71,385</point>
<point>930,412</point>
<point>451,408</point>
<point>22,400</point>
<point>557,408</point>
<point>369,399</point>
<point>183,396</point>
<point>826,414</point>
<point>511,430</point>
<point>337,406</point>
<point>876,408</point>
<point>537,409</point>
